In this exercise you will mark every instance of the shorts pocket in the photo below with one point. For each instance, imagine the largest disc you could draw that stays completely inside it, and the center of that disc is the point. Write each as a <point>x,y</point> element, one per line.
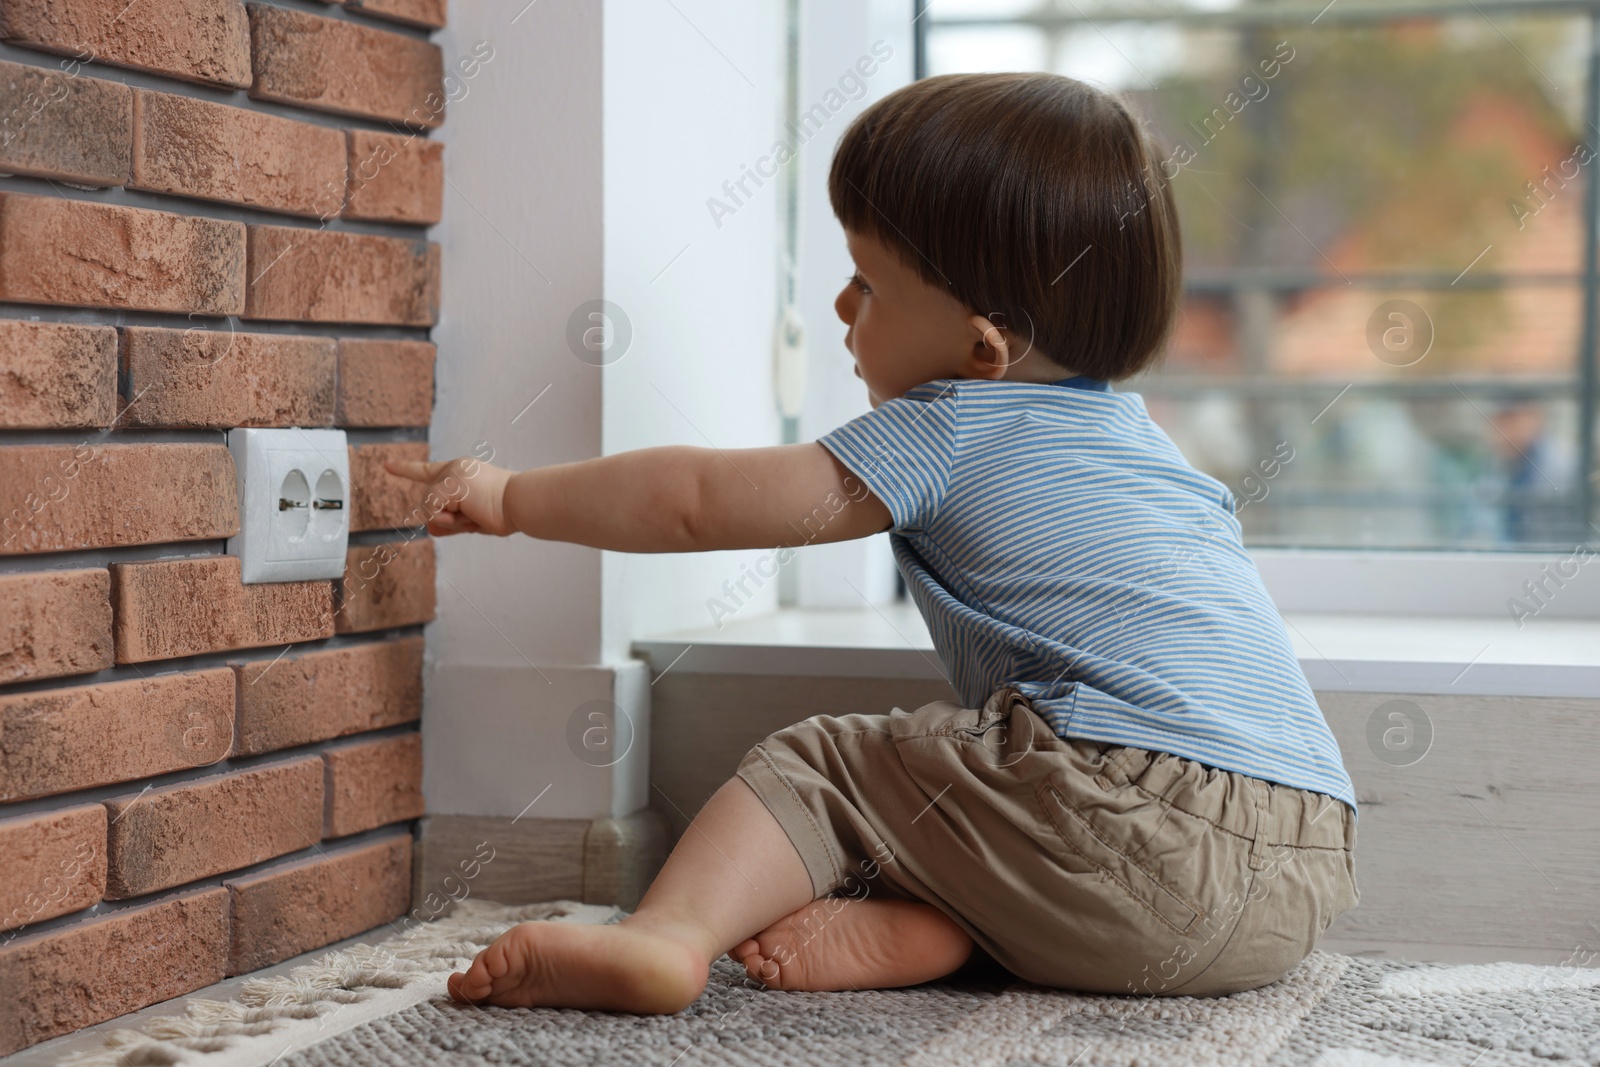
<point>1089,839</point>
<point>1350,873</point>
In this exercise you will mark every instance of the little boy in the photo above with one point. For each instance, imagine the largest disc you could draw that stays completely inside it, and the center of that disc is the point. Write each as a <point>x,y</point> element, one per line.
<point>1137,792</point>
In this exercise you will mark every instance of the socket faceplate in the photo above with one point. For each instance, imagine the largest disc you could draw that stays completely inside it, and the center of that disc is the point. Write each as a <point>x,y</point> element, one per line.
<point>294,503</point>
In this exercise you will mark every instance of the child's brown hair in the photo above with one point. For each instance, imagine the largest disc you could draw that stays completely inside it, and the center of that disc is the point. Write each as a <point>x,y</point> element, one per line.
<point>1033,199</point>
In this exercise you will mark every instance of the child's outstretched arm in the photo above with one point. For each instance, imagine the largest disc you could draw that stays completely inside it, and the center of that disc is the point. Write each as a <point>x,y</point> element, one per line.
<point>670,499</point>
<point>735,882</point>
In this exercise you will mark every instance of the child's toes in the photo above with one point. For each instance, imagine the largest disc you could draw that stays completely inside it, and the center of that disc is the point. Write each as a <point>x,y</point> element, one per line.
<point>462,988</point>
<point>477,981</point>
<point>492,961</point>
<point>756,963</point>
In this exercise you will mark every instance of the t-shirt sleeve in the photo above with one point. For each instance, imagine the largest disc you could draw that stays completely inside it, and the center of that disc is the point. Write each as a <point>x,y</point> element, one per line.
<point>903,451</point>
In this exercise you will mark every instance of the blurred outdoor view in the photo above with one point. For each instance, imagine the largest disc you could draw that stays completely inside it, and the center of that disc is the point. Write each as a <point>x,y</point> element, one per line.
<point>1384,215</point>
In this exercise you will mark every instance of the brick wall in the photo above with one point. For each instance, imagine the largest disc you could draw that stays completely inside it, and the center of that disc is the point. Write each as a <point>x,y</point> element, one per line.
<point>212,214</point>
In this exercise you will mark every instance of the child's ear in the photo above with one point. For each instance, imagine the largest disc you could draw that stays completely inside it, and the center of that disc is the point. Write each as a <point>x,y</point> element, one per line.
<point>991,352</point>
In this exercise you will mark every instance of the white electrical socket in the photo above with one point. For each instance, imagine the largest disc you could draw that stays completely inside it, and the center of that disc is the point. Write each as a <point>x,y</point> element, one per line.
<point>294,503</point>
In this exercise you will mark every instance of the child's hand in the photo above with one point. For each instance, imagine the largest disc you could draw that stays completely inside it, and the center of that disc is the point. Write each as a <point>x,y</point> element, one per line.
<point>465,495</point>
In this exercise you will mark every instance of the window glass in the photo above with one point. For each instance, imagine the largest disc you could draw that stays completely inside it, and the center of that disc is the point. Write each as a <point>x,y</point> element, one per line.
<point>1381,343</point>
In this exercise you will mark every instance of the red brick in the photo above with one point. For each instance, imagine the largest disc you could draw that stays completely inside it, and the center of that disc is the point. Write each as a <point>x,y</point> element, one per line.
<point>59,497</point>
<point>386,585</point>
<point>395,179</point>
<point>56,251</point>
<point>215,152</point>
<point>166,837</point>
<point>182,607</point>
<point>58,740</point>
<point>326,276</point>
<point>205,41</point>
<point>379,500</point>
<point>55,864</point>
<point>384,383</point>
<point>299,699</point>
<point>70,129</point>
<point>54,623</point>
<point>342,67</point>
<point>101,968</point>
<point>54,376</point>
<point>428,14</point>
<point>304,904</point>
<point>219,378</point>
<point>373,783</point>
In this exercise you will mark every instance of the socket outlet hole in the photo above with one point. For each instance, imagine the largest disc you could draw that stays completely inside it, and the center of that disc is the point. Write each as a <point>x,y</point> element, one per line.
<point>328,507</point>
<point>294,504</point>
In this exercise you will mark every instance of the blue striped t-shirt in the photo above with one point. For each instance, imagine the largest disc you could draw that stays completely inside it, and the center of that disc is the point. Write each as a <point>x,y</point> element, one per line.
<point>1055,539</point>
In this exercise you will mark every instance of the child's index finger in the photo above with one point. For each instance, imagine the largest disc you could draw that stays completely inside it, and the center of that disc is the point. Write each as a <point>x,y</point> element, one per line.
<point>418,470</point>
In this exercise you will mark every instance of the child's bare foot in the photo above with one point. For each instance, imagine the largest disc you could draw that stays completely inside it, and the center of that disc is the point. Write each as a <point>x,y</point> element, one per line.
<point>568,965</point>
<point>855,944</point>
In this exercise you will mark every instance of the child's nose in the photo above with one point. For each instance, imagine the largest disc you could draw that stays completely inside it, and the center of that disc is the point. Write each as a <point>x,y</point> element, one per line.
<point>844,305</point>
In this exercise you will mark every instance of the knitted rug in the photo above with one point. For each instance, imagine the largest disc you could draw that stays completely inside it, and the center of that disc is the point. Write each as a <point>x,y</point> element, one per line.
<point>385,1004</point>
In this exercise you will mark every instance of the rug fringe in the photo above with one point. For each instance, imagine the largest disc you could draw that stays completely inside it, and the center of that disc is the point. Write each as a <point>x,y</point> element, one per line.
<point>263,1005</point>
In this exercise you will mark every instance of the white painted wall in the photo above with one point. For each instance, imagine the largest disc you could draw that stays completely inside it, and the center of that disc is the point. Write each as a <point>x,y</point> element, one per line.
<point>522,247</point>
<point>693,95</point>
<point>836,34</point>
<point>510,741</point>
<point>521,243</point>
<point>580,161</point>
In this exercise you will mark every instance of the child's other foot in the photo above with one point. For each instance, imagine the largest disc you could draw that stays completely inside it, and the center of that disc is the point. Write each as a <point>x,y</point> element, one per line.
<point>569,965</point>
<point>855,944</point>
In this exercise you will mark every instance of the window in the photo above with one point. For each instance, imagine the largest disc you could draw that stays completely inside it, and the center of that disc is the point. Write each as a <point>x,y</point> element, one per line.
<point>1389,219</point>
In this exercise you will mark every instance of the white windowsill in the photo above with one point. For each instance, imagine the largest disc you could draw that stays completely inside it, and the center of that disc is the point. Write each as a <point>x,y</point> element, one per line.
<point>1484,656</point>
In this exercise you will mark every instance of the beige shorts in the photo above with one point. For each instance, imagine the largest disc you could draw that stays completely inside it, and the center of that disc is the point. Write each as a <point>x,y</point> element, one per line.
<point>1073,863</point>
